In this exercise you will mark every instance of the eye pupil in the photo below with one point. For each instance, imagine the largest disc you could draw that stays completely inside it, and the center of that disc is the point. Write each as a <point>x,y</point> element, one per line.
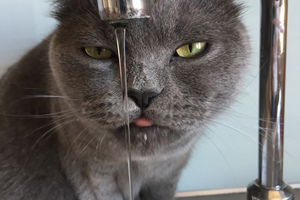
<point>99,49</point>
<point>191,48</point>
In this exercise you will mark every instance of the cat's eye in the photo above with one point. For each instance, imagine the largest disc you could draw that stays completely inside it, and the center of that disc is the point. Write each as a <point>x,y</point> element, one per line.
<point>191,50</point>
<point>98,52</point>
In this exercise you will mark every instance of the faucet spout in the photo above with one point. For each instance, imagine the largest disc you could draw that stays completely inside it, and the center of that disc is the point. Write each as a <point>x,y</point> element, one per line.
<point>119,11</point>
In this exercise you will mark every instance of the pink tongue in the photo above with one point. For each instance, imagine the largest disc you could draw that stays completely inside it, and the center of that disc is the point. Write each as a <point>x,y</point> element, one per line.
<point>143,122</point>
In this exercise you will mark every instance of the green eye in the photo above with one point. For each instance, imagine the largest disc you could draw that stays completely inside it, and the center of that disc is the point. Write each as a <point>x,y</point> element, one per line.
<point>98,52</point>
<point>191,50</point>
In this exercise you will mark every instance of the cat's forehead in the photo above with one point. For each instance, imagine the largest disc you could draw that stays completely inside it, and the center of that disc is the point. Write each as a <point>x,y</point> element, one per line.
<point>177,15</point>
<point>170,20</point>
<point>193,8</point>
<point>168,10</point>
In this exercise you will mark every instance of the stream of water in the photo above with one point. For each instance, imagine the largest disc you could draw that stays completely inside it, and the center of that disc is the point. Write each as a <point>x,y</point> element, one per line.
<point>120,33</point>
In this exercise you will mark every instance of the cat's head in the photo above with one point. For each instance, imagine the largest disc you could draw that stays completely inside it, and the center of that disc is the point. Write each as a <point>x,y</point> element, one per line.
<point>184,66</point>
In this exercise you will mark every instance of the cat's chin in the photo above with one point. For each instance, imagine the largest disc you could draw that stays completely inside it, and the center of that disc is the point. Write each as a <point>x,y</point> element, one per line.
<point>154,134</point>
<point>143,129</point>
<point>154,140</point>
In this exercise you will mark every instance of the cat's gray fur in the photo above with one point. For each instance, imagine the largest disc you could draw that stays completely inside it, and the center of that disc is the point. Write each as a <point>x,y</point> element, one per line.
<point>72,146</point>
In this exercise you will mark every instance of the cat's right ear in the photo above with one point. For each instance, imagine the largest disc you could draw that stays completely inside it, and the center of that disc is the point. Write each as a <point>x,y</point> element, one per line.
<point>64,9</point>
<point>57,7</point>
<point>57,2</point>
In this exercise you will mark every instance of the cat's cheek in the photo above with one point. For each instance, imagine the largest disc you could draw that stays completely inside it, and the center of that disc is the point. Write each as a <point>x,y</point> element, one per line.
<point>80,76</point>
<point>100,93</point>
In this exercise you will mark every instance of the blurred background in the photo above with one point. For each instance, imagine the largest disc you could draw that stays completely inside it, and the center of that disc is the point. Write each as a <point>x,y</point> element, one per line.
<point>227,154</point>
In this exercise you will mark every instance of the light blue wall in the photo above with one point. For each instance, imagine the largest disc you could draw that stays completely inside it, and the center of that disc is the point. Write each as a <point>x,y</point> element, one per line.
<point>22,25</point>
<point>226,156</point>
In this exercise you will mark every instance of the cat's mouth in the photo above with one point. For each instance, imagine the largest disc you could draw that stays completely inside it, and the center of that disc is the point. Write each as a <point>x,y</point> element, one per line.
<point>144,124</point>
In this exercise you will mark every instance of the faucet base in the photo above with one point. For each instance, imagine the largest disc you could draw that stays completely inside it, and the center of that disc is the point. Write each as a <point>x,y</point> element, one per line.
<point>255,191</point>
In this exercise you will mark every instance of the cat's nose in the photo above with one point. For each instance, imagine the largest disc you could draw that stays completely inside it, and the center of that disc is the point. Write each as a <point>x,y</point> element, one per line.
<point>142,99</point>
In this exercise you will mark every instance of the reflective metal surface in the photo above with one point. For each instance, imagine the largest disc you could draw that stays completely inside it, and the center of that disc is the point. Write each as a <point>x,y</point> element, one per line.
<point>115,10</point>
<point>272,91</point>
<point>271,110</point>
<point>259,192</point>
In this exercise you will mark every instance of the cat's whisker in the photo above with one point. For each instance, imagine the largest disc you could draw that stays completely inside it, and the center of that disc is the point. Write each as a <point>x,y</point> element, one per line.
<point>254,141</point>
<point>50,123</point>
<point>99,143</point>
<point>73,142</point>
<point>41,116</point>
<point>239,131</point>
<point>222,154</point>
<point>83,139</point>
<point>84,148</point>
<point>234,129</point>
<point>234,113</point>
<point>51,130</point>
<point>47,96</point>
<point>13,104</point>
<point>46,91</point>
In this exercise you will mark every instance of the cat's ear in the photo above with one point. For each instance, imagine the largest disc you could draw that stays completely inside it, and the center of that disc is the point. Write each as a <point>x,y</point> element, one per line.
<point>64,9</point>
<point>57,7</point>
<point>57,2</point>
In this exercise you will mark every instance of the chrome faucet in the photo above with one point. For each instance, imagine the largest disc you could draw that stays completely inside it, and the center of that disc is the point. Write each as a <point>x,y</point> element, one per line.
<point>119,11</point>
<point>270,184</point>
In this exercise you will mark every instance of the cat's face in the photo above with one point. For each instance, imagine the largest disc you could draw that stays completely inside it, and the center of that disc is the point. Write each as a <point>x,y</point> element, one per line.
<point>185,93</point>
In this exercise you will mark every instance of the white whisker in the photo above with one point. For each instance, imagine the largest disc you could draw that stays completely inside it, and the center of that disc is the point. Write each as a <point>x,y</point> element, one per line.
<point>73,142</point>
<point>223,156</point>
<point>46,96</point>
<point>49,131</point>
<point>99,143</point>
<point>47,124</point>
<point>84,148</point>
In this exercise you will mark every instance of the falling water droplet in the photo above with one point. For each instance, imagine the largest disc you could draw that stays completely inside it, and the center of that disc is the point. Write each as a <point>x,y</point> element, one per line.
<point>145,137</point>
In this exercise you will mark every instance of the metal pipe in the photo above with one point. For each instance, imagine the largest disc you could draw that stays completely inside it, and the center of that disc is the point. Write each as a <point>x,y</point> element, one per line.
<point>122,10</point>
<point>272,92</point>
<point>270,185</point>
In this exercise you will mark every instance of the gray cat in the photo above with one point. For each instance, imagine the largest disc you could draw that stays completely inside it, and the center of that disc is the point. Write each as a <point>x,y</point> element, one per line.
<point>61,123</point>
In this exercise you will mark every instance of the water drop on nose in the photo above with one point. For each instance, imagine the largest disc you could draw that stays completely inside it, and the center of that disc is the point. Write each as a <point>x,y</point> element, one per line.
<point>145,137</point>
